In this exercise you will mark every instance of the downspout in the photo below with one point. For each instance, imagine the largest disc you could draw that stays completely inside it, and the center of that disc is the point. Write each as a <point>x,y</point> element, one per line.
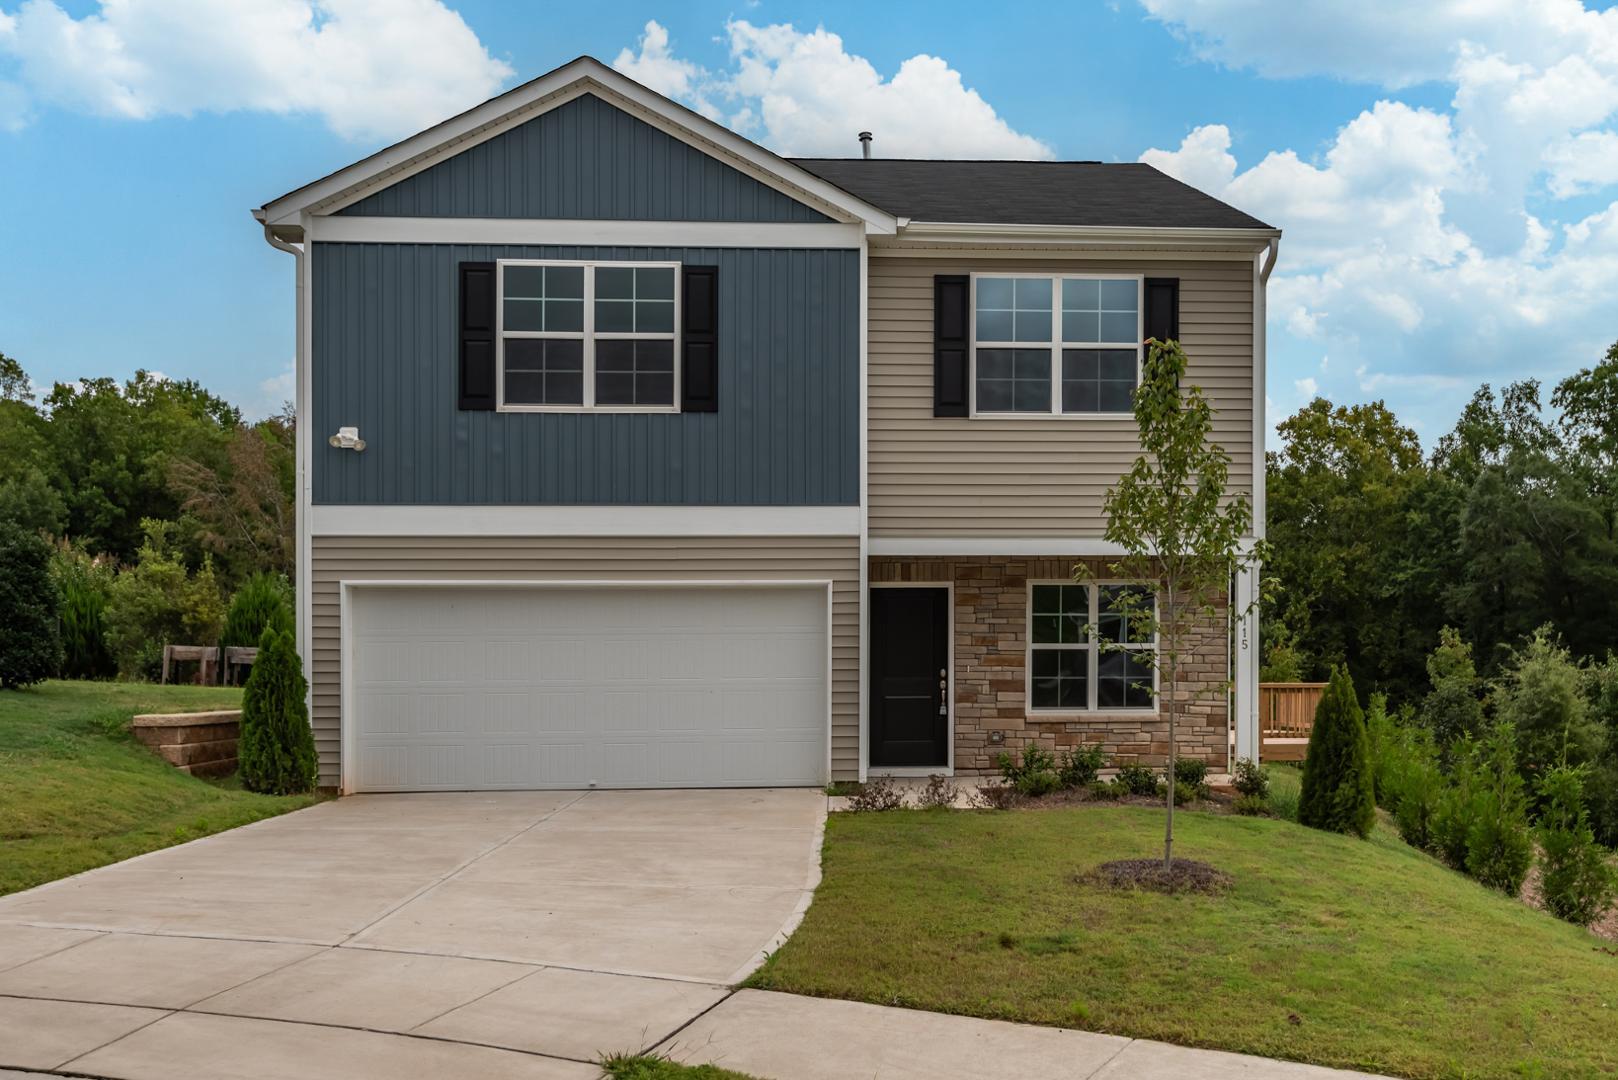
<point>302,577</point>
<point>1246,680</point>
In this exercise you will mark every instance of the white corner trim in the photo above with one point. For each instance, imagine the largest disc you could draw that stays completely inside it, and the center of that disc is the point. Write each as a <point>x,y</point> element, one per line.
<point>977,545</point>
<point>661,521</point>
<point>524,102</point>
<point>700,234</point>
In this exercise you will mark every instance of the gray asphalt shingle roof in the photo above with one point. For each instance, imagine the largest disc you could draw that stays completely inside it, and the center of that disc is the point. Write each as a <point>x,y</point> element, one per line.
<point>1028,193</point>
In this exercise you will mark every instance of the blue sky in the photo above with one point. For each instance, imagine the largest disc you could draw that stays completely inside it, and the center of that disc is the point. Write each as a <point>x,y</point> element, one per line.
<point>1445,173</point>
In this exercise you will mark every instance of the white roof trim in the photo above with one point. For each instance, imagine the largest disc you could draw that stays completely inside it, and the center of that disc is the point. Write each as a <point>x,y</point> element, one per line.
<point>584,75</point>
<point>1090,236</point>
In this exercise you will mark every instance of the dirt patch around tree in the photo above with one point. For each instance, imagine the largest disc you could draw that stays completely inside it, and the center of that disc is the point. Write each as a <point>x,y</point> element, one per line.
<point>1181,876</point>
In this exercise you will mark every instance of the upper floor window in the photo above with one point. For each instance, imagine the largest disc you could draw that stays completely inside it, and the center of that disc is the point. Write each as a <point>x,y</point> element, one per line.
<point>581,335</point>
<point>1046,344</point>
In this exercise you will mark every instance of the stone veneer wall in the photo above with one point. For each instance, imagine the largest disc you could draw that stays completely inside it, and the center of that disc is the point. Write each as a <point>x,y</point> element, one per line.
<point>990,645</point>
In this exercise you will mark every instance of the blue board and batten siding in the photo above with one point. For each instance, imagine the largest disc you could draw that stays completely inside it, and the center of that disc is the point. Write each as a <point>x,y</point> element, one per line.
<point>384,360</point>
<point>584,159</point>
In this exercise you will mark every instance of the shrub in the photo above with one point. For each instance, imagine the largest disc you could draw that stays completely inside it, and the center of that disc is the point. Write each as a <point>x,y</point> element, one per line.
<point>276,754</point>
<point>1035,775</point>
<point>1250,780</point>
<point>1193,772</point>
<point>1540,695</point>
<point>878,793</point>
<point>1414,785</point>
<point>1251,805</point>
<point>1576,881</point>
<point>1105,792</point>
<point>1137,780</point>
<point>1078,768</point>
<point>996,797</point>
<point>83,584</point>
<point>1284,802</point>
<point>939,793</point>
<point>1601,793</point>
<point>1452,710</point>
<point>1383,739</point>
<point>1499,846</point>
<point>1337,794</point>
<point>1452,809</point>
<point>157,602</point>
<point>1185,794</point>
<point>30,643</point>
<point>264,599</point>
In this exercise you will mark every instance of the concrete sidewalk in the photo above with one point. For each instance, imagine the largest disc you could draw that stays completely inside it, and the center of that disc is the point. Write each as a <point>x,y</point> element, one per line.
<point>786,1037</point>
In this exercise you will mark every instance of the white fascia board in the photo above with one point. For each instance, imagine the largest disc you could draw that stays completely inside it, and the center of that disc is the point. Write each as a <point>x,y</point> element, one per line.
<point>1087,236</point>
<point>705,234</point>
<point>554,88</point>
<point>978,545</point>
<point>669,521</point>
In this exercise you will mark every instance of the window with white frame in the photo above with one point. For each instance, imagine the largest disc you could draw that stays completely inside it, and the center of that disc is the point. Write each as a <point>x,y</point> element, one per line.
<point>1086,645</point>
<point>581,335</point>
<point>1065,344</point>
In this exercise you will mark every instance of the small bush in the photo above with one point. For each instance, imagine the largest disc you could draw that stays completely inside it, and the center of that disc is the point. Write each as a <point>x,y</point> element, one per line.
<point>1078,768</point>
<point>1035,775</point>
<point>1250,780</point>
<point>995,797</point>
<point>1189,770</point>
<point>264,599</point>
<point>1576,881</point>
<point>1452,809</point>
<point>1338,793</point>
<point>1185,794</point>
<point>159,602</point>
<point>877,794</point>
<point>1284,802</point>
<point>1452,711</point>
<point>1251,805</point>
<point>1499,845</point>
<point>1540,694</point>
<point>939,793</point>
<point>1383,739</point>
<point>1414,786</point>
<point>83,583</point>
<point>276,754</point>
<point>30,642</point>
<point>1138,780</point>
<point>1105,792</point>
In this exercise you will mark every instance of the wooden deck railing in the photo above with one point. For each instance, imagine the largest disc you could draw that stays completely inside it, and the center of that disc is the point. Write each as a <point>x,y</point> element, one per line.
<point>1286,716</point>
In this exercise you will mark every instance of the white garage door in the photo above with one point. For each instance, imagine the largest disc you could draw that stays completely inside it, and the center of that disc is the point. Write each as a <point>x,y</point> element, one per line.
<point>460,688</point>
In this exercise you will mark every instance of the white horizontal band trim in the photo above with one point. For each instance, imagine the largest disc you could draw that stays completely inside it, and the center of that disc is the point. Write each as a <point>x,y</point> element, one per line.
<point>982,545</point>
<point>584,520</point>
<point>699,234</point>
<point>948,232</point>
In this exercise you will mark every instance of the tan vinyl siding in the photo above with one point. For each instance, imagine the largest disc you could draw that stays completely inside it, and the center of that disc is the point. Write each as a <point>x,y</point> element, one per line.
<point>336,559</point>
<point>1031,477</point>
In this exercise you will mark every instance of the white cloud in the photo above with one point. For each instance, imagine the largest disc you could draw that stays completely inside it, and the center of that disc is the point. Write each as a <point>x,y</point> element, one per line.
<point>1307,387</point>
<point>369,68</point>
<point>803,93</point>
<point>1428,248</point>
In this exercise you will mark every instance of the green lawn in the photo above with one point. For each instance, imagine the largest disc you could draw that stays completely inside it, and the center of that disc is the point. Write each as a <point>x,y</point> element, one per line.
<point>646,1067</point>
<point>1363,954</point>
<point>77,791</point>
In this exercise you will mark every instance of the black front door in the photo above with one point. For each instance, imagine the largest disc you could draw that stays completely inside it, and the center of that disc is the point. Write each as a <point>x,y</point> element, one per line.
<point>909,677</point>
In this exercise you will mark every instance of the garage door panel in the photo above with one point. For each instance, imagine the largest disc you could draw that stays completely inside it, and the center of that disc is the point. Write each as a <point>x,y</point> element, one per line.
<point>457,688</point>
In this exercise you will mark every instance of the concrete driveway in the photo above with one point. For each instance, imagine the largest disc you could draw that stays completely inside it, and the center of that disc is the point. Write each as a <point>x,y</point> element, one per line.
<point>497,935</point>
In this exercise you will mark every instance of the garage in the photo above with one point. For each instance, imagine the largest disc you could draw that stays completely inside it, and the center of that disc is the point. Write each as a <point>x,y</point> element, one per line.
<point>628,685</point>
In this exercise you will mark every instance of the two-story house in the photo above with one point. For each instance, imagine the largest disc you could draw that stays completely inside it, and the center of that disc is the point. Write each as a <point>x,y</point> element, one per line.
<point>631,454</point>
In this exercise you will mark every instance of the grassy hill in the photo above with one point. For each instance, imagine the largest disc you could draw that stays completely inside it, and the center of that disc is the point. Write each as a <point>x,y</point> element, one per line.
<point>1359,954</point>
<point>77,791</point>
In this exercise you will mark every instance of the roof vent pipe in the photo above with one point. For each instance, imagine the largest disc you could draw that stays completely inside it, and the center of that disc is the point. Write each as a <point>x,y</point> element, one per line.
<point>865,143</point>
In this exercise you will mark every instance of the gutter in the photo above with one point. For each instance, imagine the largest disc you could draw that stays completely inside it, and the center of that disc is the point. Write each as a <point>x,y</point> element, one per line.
<point>1243,239</point>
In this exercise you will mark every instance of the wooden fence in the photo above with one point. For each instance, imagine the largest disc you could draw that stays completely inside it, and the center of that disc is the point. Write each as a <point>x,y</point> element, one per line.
<point>1286,716</point>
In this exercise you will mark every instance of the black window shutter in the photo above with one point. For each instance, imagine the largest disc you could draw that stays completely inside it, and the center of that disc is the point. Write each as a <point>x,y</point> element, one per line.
<point>1163,308</point>
<point>476,388</point>
<point>699,339</point>
<point>950,329</point>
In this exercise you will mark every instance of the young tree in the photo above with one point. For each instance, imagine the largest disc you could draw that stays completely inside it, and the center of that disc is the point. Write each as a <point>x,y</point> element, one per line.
<point>1452,710</point>
<point>30,644</point>
<point>1339,793</point>
<point>276,755</point>
<point>1183,535</point>
<point>1577,883</point>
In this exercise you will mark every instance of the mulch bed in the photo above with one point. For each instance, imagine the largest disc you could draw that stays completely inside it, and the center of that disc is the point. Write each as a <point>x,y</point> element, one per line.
<point>1184,875</point>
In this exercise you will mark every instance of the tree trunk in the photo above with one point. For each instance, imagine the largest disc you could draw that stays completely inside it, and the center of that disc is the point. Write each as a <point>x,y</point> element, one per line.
<point>1167,695</point>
